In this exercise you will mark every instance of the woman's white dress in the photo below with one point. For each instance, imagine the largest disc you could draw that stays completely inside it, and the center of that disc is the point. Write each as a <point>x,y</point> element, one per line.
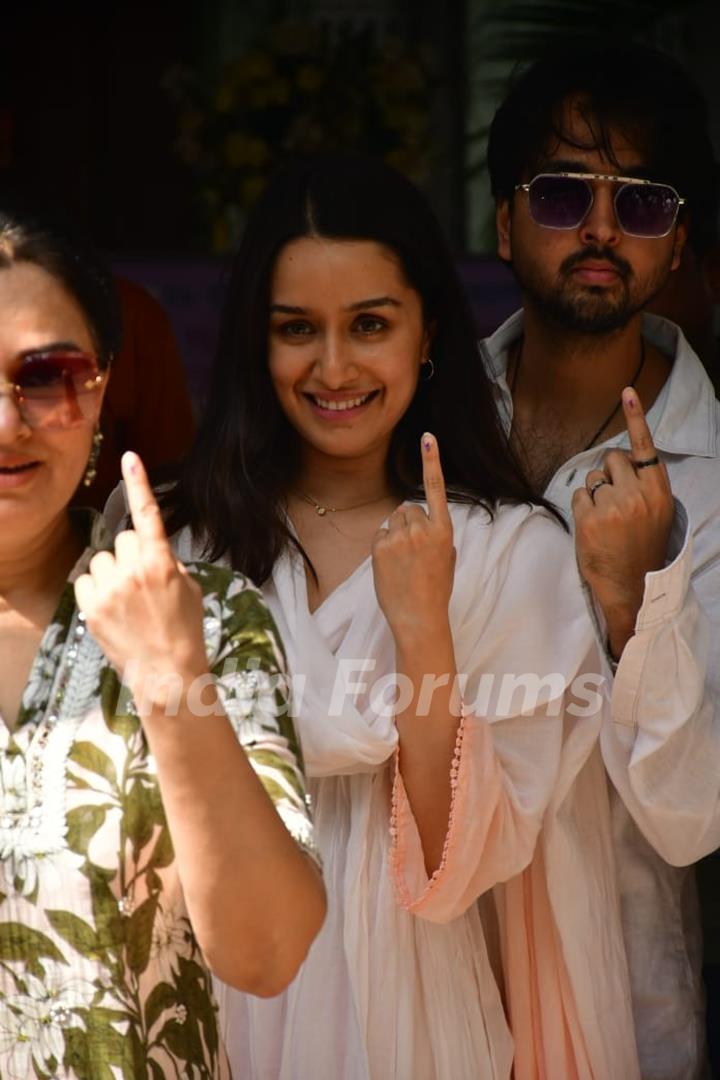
<point>386,994</point>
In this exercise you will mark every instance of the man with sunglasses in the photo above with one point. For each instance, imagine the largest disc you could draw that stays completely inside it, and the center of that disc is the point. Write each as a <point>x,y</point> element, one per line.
<point>600,165</point>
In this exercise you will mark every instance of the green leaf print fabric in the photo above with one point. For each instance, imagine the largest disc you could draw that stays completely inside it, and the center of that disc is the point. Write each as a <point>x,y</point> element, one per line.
<point>100,974</point>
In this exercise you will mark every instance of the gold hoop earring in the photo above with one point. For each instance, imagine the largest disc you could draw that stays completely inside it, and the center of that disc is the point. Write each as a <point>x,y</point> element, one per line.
<point>427,362</point>
<point>91,467</point>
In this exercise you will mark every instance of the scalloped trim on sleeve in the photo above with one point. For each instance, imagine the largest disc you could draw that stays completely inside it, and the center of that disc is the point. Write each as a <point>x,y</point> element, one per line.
<point>401,809</point>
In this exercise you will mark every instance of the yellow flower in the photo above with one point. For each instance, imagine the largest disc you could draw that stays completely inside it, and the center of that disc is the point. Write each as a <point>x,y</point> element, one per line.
<point>258,153</point>
<point>399,75</point>
<point>405,119</point>
<point>209,196</point>
<point>296,39</point>
<point>411,163</point>
<point>190,120</point>
<point>235,149</point>
<point>275,91</point>
<point>397,159</point>
<point>310,78</point>
<point>234,73</point>
<point>251,189</point>
<point>225,98</point>
<point>241,149</point>
<point>254,66</point>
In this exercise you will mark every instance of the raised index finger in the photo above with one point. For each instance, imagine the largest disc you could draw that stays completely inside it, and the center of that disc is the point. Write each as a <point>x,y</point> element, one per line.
<point>144,510</point>
<point>433,479</point>
<point>642,447</point>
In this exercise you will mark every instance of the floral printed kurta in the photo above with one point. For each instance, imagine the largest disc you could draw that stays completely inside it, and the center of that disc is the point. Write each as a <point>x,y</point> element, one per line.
<point>100,974</point>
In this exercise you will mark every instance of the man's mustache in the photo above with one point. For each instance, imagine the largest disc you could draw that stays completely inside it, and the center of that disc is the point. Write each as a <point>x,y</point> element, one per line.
<point>599,255</point>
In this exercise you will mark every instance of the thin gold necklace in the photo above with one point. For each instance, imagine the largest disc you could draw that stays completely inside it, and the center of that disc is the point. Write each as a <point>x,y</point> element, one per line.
<point>321,510</point>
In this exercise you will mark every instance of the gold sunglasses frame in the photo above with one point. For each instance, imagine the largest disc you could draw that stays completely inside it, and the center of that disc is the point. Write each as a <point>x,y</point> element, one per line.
<point>15,391</point>
<point>623,181</point>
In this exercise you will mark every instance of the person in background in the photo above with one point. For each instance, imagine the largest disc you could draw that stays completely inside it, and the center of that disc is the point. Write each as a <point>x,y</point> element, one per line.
<point>347,369</point>
<point>147,405</point>
<point>152,829</point>
<point>601,164</point>
<point>691,296</point>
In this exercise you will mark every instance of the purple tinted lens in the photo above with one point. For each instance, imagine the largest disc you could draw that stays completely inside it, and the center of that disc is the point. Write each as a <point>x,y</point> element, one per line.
<point>646,209</point>
<point>559,202</point>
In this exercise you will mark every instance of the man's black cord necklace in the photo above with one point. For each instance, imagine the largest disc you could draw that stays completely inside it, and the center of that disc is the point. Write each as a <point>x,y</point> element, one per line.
<point>616,409</point>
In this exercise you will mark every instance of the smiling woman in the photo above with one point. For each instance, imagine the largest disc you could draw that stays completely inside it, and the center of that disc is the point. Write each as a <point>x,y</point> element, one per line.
<point>346,359</point>
<point>138,844</point>
<point>348,368</point>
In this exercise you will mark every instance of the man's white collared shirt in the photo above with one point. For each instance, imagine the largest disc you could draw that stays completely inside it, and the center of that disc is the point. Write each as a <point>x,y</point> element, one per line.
<point>662,749</point>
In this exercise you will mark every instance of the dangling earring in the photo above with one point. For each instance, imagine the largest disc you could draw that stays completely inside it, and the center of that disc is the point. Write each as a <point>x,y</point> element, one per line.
<point>91,468</point>
<point>427,362</point>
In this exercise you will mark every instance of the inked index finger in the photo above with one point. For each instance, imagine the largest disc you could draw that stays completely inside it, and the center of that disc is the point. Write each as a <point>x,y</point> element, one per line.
<point>433,479</point>
<point>144,510</point>
<point>642,447</point>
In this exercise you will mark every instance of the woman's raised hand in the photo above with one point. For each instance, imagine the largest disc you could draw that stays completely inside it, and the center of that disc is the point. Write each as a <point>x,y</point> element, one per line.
<point>414,557</point>
<point>141,606</point>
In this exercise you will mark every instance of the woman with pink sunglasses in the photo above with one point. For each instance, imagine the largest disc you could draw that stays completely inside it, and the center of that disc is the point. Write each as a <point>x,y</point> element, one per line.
<point>150,829</point>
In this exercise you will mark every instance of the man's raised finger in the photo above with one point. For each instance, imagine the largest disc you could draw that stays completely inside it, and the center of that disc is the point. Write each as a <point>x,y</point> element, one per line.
<point>642,447</point>
<point>144,510</point>
<point>433,479</point>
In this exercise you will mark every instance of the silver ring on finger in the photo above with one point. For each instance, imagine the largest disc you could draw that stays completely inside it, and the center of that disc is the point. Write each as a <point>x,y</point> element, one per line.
<point>592,488</point>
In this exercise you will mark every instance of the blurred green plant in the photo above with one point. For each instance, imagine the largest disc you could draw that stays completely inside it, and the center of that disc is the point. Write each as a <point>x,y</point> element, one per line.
<point>298,89</point>
<point>519,30</point>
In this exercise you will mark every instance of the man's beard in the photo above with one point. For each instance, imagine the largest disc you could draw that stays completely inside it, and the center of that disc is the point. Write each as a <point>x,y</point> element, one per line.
<point>588,309</point>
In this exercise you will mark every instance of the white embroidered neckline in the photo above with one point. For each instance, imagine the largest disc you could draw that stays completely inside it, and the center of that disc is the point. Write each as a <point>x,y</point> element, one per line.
<point>37,824</point>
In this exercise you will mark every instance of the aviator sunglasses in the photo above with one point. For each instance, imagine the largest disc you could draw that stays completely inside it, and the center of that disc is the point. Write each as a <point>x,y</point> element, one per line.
<point>563,200</point>
<point>55,389</point>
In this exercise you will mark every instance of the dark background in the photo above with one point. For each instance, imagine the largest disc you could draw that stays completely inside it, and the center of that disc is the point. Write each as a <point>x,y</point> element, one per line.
<point>85,110</point>
<point>85,116</point>
<point>87,119</point>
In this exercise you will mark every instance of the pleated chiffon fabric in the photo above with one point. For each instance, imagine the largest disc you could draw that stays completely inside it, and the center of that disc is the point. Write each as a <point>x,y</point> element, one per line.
<point>399,984</point>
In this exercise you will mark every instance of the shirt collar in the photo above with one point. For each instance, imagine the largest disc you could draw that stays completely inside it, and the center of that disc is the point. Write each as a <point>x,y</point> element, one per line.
<point>684,418</point>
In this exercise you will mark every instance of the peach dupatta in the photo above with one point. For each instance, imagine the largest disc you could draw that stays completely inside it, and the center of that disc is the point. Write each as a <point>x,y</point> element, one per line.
<point>564,967</point>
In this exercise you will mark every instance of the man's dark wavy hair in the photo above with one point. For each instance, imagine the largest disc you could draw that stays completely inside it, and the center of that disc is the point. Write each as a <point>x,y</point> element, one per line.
<point>232,489</point>
<point>632,88</point>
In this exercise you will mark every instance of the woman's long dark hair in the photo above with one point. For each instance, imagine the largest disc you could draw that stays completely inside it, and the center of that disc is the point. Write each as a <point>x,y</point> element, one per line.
<point>232,488</point>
